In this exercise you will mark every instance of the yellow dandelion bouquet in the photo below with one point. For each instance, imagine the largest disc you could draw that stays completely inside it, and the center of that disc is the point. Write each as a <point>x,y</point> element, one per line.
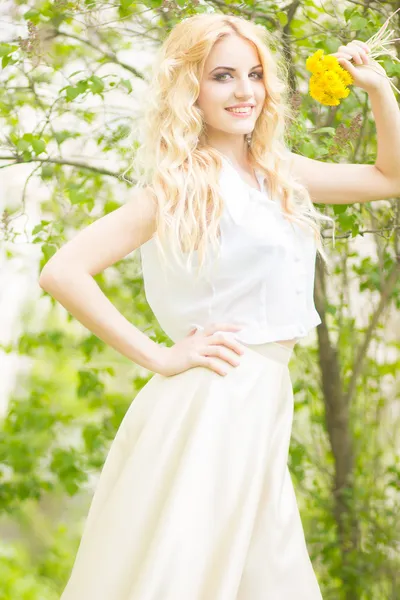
<point>329,80</point>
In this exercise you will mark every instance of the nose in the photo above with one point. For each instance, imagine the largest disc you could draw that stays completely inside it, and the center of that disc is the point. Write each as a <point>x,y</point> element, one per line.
<point>244,88</point>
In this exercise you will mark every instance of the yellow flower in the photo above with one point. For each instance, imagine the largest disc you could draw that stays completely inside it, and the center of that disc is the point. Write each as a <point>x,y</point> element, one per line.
<point>328,80</point>
<point>330,62</point>
<point>314,61</point>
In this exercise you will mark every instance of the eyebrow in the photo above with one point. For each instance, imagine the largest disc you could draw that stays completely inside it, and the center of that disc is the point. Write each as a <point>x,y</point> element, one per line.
<point>232,69</point>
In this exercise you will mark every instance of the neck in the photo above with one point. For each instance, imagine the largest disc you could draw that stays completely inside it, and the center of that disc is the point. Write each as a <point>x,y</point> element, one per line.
<point>233,147</point>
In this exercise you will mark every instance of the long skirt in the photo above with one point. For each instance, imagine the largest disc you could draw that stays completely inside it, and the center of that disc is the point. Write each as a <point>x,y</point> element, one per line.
<point>195,500</point>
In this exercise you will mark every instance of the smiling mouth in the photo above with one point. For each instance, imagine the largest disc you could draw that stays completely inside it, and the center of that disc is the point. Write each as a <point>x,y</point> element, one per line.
<point>245,111</point>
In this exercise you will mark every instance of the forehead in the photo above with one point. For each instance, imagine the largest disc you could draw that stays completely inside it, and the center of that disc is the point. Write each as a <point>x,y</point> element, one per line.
<point>233,51</point>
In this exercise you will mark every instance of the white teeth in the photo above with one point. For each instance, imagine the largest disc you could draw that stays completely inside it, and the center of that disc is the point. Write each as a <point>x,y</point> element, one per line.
<point>240,110</point>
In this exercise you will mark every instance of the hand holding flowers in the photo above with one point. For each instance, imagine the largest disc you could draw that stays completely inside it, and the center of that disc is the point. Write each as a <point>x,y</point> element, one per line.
<point>332,74</point>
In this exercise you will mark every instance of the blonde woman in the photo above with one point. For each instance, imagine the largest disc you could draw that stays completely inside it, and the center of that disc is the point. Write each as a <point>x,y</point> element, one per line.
<point>195,500</point>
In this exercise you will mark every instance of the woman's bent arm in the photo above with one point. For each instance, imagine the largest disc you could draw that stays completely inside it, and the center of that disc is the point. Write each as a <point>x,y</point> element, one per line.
<point>79,293</point>
<point>68,277</point>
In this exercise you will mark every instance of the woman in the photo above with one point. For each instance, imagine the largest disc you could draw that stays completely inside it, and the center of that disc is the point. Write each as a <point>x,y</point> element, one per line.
<point>195,500</point>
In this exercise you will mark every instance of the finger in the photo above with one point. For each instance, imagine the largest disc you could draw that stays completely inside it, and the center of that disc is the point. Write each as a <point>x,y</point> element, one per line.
<point>363,45</point>
<point>209,363</point>
<point>213,327</point>
<point>363,54</point>
<point>355,57</point>
<point>222,353</point>
<point>230,343</point>
<point>358,53</point>
<point>344,62</point>
<point>342,55</point>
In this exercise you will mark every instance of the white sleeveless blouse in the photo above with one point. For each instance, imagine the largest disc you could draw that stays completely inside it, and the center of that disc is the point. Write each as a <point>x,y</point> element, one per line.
<point>262,280</point>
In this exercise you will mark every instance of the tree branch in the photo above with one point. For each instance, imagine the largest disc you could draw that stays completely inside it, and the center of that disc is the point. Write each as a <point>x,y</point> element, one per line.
<point>287,48</point>
<point>254,14</point>
<point>66,162</point>
<point>361,232</point>
<point>109,55</point>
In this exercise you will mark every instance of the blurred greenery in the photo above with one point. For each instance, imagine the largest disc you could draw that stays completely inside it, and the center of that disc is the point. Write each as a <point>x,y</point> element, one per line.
<point>63,74</point>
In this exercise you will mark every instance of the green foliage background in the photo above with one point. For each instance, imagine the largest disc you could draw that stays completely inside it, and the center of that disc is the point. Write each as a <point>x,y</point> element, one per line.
<point>66,408</point>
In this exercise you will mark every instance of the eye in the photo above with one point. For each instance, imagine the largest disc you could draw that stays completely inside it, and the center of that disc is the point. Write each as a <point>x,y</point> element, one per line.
<point>219,76</point>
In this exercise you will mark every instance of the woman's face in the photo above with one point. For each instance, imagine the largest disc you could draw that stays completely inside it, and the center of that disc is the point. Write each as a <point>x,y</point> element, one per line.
<point>221,87</point>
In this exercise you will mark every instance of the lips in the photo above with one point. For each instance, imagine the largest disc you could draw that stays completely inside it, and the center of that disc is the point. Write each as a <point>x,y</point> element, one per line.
<point>242,113</point>
<point>240,108</point>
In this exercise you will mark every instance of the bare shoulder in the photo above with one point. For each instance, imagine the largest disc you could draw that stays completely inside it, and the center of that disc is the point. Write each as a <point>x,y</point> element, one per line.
<point>110,238</point>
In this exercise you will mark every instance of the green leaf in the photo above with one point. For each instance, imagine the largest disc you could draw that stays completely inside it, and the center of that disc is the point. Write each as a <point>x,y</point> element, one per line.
<point>77,196</point>
<point>90,345</point>
<point>97,84</point>
<point>48,251</point>
<point>6,49</point>
<point>32,15</point>
<point>89,202</point>
<point>340,208</point>
<point>307,148</point>
<point>348,12</point>
<point>63,135</point>
<point>358,22</point>
<point>297,25</point>
<point>93,437</point>
<point>82,86</point>
<point>47,171</point>
<point>127,84</point>
<point>110,206</point>
<point>27,156</point>
<point>89,383</point>
<point>346,221</point>
<point>331,309</point>
<point>72,93</point>
<point>39,146</point>
<point>23,144</point>
<point>283,18</point>
<point>6,60</point>
<point>39,227</point>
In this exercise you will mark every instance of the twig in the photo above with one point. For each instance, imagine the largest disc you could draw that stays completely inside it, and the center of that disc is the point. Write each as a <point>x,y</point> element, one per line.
<point>70,163</point>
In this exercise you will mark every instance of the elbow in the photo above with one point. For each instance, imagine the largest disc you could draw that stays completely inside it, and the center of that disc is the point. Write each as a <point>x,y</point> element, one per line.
<point>46,277</point>
<point>52,274</point>
<point>57,275</point>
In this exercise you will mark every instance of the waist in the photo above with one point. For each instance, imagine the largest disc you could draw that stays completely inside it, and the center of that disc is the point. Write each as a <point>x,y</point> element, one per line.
<point>273,350</point>
<point>290,343</point>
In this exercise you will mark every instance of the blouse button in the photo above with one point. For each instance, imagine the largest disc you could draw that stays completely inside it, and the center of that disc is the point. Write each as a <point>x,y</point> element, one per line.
<point>297,258</point>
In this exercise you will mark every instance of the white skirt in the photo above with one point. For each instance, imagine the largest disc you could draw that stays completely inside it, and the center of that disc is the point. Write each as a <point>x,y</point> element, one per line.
<point>195,500</point>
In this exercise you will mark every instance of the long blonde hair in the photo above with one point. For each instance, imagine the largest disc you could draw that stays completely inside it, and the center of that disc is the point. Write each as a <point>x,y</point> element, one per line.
<point>173,158</point>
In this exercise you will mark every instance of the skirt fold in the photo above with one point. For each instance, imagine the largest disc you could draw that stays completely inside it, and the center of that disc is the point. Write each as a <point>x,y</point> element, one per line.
<point>195,500</point>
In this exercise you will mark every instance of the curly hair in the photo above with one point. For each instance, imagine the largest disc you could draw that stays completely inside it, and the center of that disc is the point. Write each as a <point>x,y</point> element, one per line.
<point>174,159</point>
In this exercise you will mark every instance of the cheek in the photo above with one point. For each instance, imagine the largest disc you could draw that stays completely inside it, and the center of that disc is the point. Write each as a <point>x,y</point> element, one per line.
<point>261,94</point>
<point>260,97</point>
<point>211,94</point>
